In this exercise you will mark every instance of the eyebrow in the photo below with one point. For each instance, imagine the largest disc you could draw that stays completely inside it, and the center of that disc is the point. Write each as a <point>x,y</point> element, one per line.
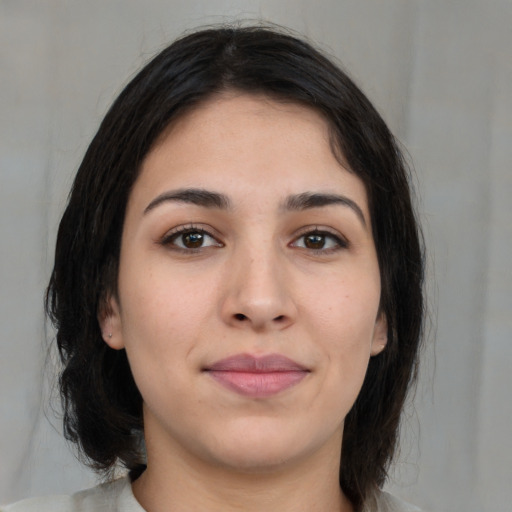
<point>297,202</point>
<point>308,200</point>
<point>197,196</point>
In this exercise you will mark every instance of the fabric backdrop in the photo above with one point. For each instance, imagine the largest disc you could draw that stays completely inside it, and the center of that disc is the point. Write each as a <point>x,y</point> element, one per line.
<point>441,74</point>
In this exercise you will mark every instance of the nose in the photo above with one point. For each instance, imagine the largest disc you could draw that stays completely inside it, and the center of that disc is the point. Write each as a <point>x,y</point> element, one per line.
<point>259,293</point>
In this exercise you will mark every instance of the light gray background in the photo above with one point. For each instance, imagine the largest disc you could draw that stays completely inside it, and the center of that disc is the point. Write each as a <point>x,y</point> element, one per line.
<point>441,74</point>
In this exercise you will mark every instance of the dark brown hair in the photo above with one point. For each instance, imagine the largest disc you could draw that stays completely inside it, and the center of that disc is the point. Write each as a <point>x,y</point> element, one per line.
<point>102,406</point>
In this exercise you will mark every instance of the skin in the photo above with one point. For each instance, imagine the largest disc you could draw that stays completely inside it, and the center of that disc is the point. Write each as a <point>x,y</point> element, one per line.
<point>264,279</point>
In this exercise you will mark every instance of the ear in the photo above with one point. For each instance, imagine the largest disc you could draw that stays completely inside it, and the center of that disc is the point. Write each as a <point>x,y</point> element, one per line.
<point>109,318</point>
<point>380,335</point>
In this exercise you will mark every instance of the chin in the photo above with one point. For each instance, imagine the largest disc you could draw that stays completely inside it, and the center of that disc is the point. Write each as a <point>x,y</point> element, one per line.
<point>256,460</point>
<point>261,447</point>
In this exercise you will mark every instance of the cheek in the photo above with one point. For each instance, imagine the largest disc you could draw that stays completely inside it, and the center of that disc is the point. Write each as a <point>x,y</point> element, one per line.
<point>343,321</point>
<point>160,299</point>
<point>347,309</point>
<point>159,332</point>
<point>164,316</point>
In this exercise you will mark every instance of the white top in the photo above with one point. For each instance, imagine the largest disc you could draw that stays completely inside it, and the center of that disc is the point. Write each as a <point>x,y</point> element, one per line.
<point>117,496</point>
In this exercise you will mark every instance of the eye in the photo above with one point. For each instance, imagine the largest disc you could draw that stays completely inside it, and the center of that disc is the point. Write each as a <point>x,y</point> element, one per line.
<point>190,238</point>
<point>318,240</point>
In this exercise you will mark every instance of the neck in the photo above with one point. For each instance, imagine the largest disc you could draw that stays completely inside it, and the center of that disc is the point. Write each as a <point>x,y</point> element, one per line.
<point>179,483</point>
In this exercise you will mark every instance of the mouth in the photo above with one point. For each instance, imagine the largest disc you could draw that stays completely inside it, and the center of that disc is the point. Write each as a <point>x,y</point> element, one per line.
<point>257,376</point>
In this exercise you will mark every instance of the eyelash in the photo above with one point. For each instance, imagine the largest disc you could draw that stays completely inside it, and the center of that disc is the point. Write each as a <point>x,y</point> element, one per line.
<point>339,242</point>
<point>170,238</point>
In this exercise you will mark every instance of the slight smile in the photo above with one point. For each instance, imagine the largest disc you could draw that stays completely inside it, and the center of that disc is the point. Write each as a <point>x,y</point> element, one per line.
<point>257,376</point>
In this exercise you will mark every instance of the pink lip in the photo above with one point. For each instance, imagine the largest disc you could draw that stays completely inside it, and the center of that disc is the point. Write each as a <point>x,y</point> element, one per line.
<point>257,377</point>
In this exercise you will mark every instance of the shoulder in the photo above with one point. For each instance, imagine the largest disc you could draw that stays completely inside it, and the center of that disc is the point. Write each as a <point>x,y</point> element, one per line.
<point>384,502</point>
<point>115,496</point>
<point>43,504</point>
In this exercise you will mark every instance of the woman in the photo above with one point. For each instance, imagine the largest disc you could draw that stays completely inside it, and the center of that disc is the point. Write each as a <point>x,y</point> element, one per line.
<point>237,287</point>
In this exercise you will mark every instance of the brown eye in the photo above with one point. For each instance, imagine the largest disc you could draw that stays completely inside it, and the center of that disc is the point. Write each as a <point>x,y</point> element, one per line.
<point>314,241</point>
<point>192,240</point>
<point>322,241</point>
<point>189,238</point>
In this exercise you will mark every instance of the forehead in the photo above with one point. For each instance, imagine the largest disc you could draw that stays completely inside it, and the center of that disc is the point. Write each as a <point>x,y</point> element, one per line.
<point>236,141</point>
<point>231,116</point>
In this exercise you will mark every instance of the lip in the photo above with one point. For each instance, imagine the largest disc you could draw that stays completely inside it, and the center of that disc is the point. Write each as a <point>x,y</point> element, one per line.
<point>257,376</point>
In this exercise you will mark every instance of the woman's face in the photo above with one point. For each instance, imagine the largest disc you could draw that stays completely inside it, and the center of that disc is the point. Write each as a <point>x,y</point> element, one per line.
<point>248,298</point>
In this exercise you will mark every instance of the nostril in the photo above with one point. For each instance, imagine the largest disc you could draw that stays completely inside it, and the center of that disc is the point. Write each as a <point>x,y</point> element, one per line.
<point>240,316</point>
<point>279,318</point>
